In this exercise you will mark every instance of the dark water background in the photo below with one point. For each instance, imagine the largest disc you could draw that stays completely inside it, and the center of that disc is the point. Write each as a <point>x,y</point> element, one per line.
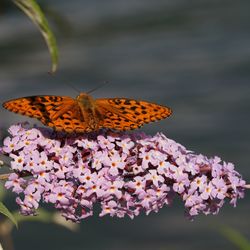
<point>193,56</point>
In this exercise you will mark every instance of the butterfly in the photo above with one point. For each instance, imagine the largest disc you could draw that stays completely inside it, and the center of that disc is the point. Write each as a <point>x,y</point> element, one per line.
<point>86,114</point>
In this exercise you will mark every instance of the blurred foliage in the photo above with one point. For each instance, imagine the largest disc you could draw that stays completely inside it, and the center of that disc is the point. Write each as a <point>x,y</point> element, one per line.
<point>5,211</point>
<point>43,216</point>
<point>34,12</point>
<point>236,238</point>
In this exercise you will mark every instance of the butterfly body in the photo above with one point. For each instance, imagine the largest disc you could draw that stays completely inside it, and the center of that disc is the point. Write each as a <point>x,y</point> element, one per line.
<point>89,109</point>
<point>86,114</point>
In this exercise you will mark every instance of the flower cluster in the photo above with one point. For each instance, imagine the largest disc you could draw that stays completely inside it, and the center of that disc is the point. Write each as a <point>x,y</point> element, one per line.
<point>125,173</point>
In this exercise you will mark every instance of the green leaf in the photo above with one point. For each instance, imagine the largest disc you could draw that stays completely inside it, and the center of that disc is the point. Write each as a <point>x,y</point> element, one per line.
<point>45,216</point>
<point>236,238</point>
<point>4,210</point>
<point>42,216</point>
<point>34,12</point>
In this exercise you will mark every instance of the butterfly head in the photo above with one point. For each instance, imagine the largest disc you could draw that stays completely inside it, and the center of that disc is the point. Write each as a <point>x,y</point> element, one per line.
<point>86,100</point>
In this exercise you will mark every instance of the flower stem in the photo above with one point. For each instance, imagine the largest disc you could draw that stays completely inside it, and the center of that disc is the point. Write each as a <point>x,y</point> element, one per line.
<point>247,186</point>
<point>4,176</point>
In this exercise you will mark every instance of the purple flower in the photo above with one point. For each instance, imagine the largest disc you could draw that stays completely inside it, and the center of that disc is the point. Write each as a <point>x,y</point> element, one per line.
<point>88,178</point>
<point>32,198</point>
<point>113,187</point>
<point>199,183</point>
<point>220,188</point>
<point>99,158</point>
<point>109,208</point>
<point>19,161</point>
<point>25,208</point>
<point>207,192</point>
<point>136,169</point>
<point>146,199</point>
<point>12,144</point>
<point>163,168</point>
<point>86,144</point>
<point>156,179</point>
<point>137,185</point>
<point>147,157</point>
<point>181,184</point>
<point>17,130</point>
<point>105,142</point>
<point>15,182</point>
<point>125,173</point>
<point>126,145</point>
<point>115,163</point>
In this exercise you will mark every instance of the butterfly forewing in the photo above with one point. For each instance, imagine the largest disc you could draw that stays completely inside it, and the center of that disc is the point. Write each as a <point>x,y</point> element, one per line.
<point>59,112</point>
<point>126,114</point>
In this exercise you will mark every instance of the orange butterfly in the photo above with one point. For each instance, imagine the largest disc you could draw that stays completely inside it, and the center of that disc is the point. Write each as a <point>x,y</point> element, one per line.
<point>84,114</point>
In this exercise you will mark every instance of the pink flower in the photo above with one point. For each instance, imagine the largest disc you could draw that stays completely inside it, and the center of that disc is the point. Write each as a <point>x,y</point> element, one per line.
<point>19,161</point>
<point>220,188</point>
<point>88,178</point>
<point>138,184</point>
<point>147,198</point>
<point>15,182</point>
<point>99,158</point>
<point>106,142</point>
<point>113,187</point>
<point>199,183</point>
<point>126,145</point>
<point>116,163</point>
<point>32,198</point>
<point>154,177</point>
<point>163,168</point>
<point>178,172</point>
<point>137,169</point>
<point>109,208</point>
<point>147,157</point>
<point>59,196</point>
<point>181,184</point>
<point>12,144</point>
<point>207,192</point>
<point>87,144</point>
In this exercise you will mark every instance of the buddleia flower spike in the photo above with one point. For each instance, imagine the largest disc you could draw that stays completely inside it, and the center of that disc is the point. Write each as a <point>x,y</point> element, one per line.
<point>125,174</point>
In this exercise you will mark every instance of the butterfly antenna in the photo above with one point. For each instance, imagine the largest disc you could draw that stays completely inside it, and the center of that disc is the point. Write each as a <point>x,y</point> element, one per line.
<point>73,87</point>
<point>65,83</point>
<point>98,87</point>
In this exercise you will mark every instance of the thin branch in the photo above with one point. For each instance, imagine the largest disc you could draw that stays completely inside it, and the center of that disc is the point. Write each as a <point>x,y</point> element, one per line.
<point>247,186</point>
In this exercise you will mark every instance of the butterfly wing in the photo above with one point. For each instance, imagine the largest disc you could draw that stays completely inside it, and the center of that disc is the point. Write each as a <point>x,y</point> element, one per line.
<point>60,112</point>
<point>127,114</point>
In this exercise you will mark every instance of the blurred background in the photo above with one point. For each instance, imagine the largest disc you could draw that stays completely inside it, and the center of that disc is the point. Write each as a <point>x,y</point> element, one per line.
<point>193,56</point>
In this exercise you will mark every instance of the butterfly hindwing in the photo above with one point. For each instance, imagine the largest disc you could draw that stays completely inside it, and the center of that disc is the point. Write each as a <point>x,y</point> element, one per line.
<point>70,121</point>
<point>59,112</point>
<point>126,114</point>
<point>112,119</point>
